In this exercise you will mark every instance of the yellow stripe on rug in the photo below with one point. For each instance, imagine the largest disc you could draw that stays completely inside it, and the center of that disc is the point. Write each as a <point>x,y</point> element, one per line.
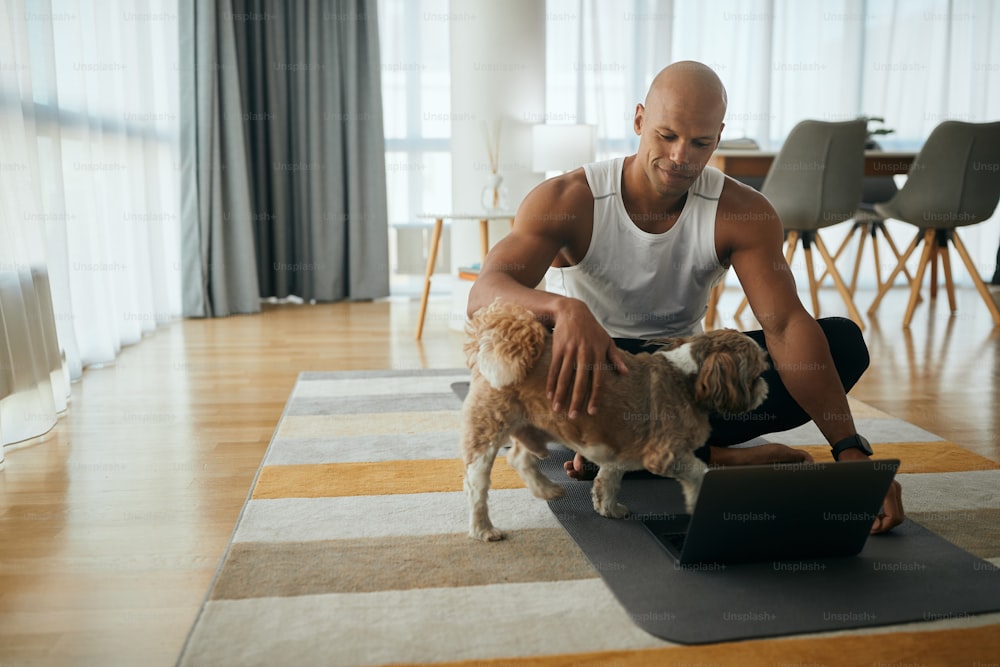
<point>920,457</point>
<point>966,646</point>
<point>334,480</point>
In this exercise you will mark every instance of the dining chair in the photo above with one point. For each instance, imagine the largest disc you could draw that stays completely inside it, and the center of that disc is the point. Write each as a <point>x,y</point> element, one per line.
<point>868,223</point>
<point>814,182</point>
<point>954,182</point>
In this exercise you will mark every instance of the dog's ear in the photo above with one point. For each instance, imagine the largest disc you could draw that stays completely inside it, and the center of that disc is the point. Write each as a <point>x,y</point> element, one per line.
<point>720,384</point>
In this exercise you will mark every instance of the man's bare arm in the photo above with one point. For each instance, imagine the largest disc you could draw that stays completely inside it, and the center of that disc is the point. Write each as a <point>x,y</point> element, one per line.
<point>548,224</point>
<point>795,341</point>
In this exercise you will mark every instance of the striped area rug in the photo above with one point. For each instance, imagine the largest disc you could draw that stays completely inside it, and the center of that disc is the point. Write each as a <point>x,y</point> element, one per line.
<point>352,550</point>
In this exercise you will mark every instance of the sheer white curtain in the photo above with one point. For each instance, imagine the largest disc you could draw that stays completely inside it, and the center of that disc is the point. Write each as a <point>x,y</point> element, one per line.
<point>914,62</point>
<point>88,199</point>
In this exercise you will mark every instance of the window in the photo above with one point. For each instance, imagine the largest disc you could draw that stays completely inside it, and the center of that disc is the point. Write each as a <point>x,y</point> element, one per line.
<point>416,103</point>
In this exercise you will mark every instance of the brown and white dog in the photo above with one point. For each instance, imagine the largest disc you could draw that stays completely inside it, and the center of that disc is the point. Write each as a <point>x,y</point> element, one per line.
<point>652,417</point>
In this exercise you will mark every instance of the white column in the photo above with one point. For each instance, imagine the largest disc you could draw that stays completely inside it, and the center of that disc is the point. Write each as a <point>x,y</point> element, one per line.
<point>497,74</point>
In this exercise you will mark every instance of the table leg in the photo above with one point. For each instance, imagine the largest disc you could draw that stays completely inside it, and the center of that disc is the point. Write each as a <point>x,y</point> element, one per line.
<point>431,261</point>
<point>484,240</point>
<point>713,305</point>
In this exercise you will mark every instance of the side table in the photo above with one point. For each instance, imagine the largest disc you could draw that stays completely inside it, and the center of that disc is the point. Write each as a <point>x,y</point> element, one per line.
<point>484,238</point>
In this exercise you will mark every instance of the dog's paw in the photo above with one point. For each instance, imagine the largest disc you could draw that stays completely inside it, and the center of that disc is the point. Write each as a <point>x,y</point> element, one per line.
<point>487,534</point>
<point>612,510</point>
<point>549,492</point>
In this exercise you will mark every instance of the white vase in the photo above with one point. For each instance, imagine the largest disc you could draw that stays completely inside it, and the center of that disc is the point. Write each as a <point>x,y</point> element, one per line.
<point>494,193</point>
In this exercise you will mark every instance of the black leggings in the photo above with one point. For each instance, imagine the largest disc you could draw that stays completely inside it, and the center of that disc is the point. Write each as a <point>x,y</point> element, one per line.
<point>779,411</point>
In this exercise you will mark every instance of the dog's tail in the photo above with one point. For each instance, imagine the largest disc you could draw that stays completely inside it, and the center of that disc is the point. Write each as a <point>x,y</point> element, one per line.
<point>504,342</point>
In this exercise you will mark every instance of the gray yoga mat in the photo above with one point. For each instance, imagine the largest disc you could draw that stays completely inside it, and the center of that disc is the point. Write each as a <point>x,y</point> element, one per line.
<point>909,574</point>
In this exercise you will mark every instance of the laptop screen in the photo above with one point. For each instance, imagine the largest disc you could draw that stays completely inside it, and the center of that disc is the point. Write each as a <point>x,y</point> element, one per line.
<point>780,512</point>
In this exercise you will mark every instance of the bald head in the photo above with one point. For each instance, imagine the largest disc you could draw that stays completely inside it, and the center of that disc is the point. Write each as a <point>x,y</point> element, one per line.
<point>679,126</point>
<point>695,83</point>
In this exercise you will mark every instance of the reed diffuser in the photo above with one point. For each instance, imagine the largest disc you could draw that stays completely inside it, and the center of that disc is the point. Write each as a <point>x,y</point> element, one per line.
<point>494,196</point>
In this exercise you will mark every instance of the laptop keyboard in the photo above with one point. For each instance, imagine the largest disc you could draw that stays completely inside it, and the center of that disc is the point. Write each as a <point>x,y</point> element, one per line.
<point>676,540</point>
<point>671,533</point>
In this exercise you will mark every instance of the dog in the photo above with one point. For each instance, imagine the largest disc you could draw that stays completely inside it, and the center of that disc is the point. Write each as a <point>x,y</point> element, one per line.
<point>652,417</point>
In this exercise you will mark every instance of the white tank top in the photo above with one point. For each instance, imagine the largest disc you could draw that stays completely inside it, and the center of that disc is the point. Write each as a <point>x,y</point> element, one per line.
<point>642,285</point>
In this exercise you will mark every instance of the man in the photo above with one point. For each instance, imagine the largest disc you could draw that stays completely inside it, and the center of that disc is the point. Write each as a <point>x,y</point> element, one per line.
<point>637,244</point>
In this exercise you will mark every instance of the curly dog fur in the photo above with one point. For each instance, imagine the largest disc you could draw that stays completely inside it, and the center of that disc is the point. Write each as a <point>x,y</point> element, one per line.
<point>652,417</point>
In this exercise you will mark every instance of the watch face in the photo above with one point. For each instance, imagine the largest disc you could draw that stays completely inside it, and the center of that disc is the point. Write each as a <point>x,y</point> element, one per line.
<point>856,441</point>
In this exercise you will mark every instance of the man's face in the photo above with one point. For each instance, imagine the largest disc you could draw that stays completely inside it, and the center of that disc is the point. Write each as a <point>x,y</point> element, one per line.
<point>676,142</point>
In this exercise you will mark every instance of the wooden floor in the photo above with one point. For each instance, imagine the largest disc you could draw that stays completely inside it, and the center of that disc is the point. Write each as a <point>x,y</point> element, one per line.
<point>112,525</point>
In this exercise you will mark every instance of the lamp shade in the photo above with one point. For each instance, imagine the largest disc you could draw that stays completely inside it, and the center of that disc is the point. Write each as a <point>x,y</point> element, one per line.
<point>562,147</point>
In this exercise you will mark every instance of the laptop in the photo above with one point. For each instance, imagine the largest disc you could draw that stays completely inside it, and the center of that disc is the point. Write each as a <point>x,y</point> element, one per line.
<point>787,511</point>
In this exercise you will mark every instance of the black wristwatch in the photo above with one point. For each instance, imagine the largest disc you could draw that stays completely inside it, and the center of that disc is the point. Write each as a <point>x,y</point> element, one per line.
<point>852,442</point>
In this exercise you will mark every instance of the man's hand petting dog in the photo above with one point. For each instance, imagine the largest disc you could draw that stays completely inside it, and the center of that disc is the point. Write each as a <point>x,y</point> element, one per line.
<point>582,354</point>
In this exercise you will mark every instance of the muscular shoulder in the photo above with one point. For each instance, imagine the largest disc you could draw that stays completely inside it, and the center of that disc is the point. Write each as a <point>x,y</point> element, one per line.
<point>559,202</point>
<point>745,217</point>
<point>561,211</point>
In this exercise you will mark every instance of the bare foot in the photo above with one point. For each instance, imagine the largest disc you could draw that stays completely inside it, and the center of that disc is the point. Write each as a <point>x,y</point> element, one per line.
<point>762,454</point>
<point>580,468</point>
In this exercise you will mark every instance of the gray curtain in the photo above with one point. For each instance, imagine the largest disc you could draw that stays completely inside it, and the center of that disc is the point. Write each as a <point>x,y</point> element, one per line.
<point>312,114</point>
<point>217,248</point>
<point>283,154</point>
